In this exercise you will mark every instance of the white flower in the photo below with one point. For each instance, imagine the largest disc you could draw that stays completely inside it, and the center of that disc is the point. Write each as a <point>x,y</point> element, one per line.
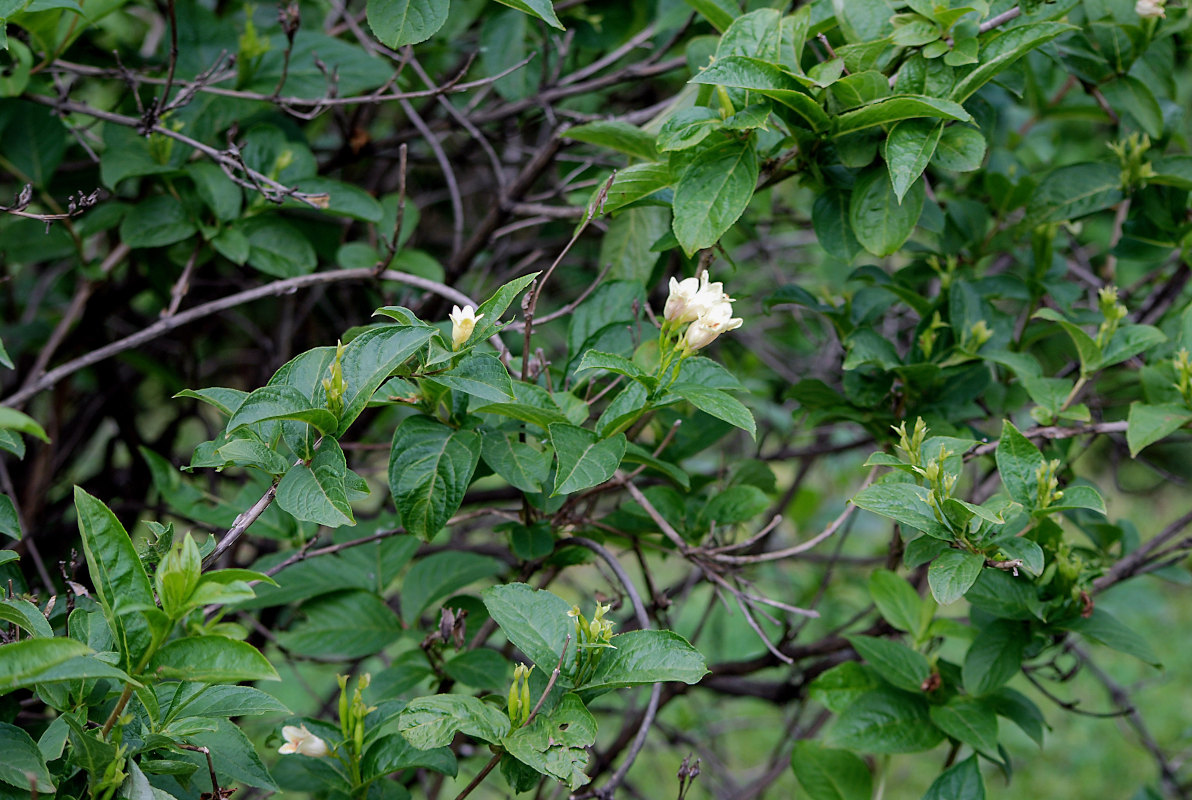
<point>716,320</point>
<point>1150,8</point>
<point>463,321</point>
<point>681,294</point>
<point>300,740</point>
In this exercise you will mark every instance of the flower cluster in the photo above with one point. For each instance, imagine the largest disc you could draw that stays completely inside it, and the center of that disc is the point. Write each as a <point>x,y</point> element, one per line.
<point>702,304</point>
<point>463,322</point>
<point>1150,8</point>
<point>591,640</point>
<point>519,695</point>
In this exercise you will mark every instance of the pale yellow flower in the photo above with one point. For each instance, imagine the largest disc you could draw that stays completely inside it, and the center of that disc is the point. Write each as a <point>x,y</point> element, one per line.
<point>300,740</point>
<point>463,322</point>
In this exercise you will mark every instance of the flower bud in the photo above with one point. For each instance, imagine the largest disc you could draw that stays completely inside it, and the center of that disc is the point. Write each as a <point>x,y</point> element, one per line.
<point>680,297</point>
<point>1149,8</point>
<point>716,320</point>
<point>300,740</point>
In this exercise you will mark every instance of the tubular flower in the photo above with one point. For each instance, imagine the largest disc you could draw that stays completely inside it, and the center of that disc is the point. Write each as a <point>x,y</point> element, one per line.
<point>300,740</point>
<point>682,293</point>
<point>1150,8</point>
<point>463,322</point>
<point>716,320</point>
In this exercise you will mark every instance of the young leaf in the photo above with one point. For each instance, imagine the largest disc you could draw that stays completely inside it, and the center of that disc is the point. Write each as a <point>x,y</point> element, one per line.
<point>909,148</point>
<point>1017,462</point>
<point>370,359</point>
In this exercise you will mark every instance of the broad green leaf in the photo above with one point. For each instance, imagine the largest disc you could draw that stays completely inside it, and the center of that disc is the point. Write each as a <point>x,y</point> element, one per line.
<point>557,743</point>
<point>1018,461</point>
<point>713,192</point>
<point>768,80</point>
<point>970,722</point>
<point>881,222</point>
<point>644,657</point>
<point>720,13</point>
<point>535,621</point>
<point>201,700</point>
<point>393,753</point>
<point>1105,628</point>
<point>952,574</point>
<point>585,460</point>
<point>909,148</point>
<point>635,182</point>
<point>211,659</point>
<point>994,657</point>
<point>430,467</point>
<point>10,523</point>
<point>118,577</point>
<point>370,359</point>
<point>897,108</point>
<point>398,23</point>
<point>961,782</point>
<point>281,401</point>
<point>24,660</point>
<point>492,308</point>
<point>837,688</point>
<point>829,774</point>
<point>897,601</point>
<point>717,403</point>
<point>1128,341</point>
<point>1075,191</point>
<point>431,722</point>
<point>277,248</point>
<point>905,503</point>
<point>1005,596</point>
<point>438,576</point>
<point>1020,710</point>
<point>898,664</point>
<point>885,721</point>
<point>23,764</point>
<point>253,453</point>
<point>523,466</point>
<point>687,128</point>
<point>317,492</point>
<point>481,668</point>
<point>156,222</point>
<point>1001,48</point>
<point>1078,496</point>
<point>1148,424</point>
<point>347,625</point>
<point>481,375</point>
<point>863,20</point>
<point>233,754</point>
<point>542,9</point>
<point>224,399</point>
<point>960,149</point>
<point>11,419</point>
<point>25,615</point>
<point>594,359</point>
<point>617,135</point>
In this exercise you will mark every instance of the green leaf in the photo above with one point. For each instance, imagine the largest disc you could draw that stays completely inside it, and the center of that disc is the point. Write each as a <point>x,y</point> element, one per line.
<point>317,493</point>
<point>993,658</point>
<point>1148,424</point>
<point>1002,48</point>
<point>886,721</point>
<point>277,248</point>
<point>430,467</point>
<point>617,135</point>
<point>14,420</point>
<point>233,754</point>
<point>542,9</point>
<point>253,453</point>
<point>829,774</point>
<point>770,81</point>
<point>211,659</point>
<point>585,460</point>
<point>1004,596</point>
<point>960,149</point>
<point>25,660</point>
<point>905,503</point>
<point>10,523</point>
<point>896,600</point>
<point>200,700</point>
<point>594,359</point>
<point>895,662</point>
<point>952,574</point>
<point>495,306</point>
<point>633,183</point>
<point>717,403</point>
<point>431,722</point>
<point>535,621</point>
<point>370,359</point>
<point>713,192</point>
<point>896,108</point>
<point>118,577</point>
<point>481,668</point>
<point>687,128</point>
<point>1105,628</point>
<point>23,764</point>
<point>1074,191</point>
<point>438,576</point>
<point>644,657</point>
<point>961,782</point>
<point>280,401</point>
<point>1018,461</point>
<point>557,743</point>
<point>968,721</point>
<point>346,625</point>
<point>394,753</point>
<point>398,23</point>
<point>1128,341</point>
<point>520,464</point>
<point>909,148</point>
<point>881,222</point>
<point>1020,710</point>
<point>224,399</point>
<point>720,13</point>
<point>480,375</point>
<point>156,222</point>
